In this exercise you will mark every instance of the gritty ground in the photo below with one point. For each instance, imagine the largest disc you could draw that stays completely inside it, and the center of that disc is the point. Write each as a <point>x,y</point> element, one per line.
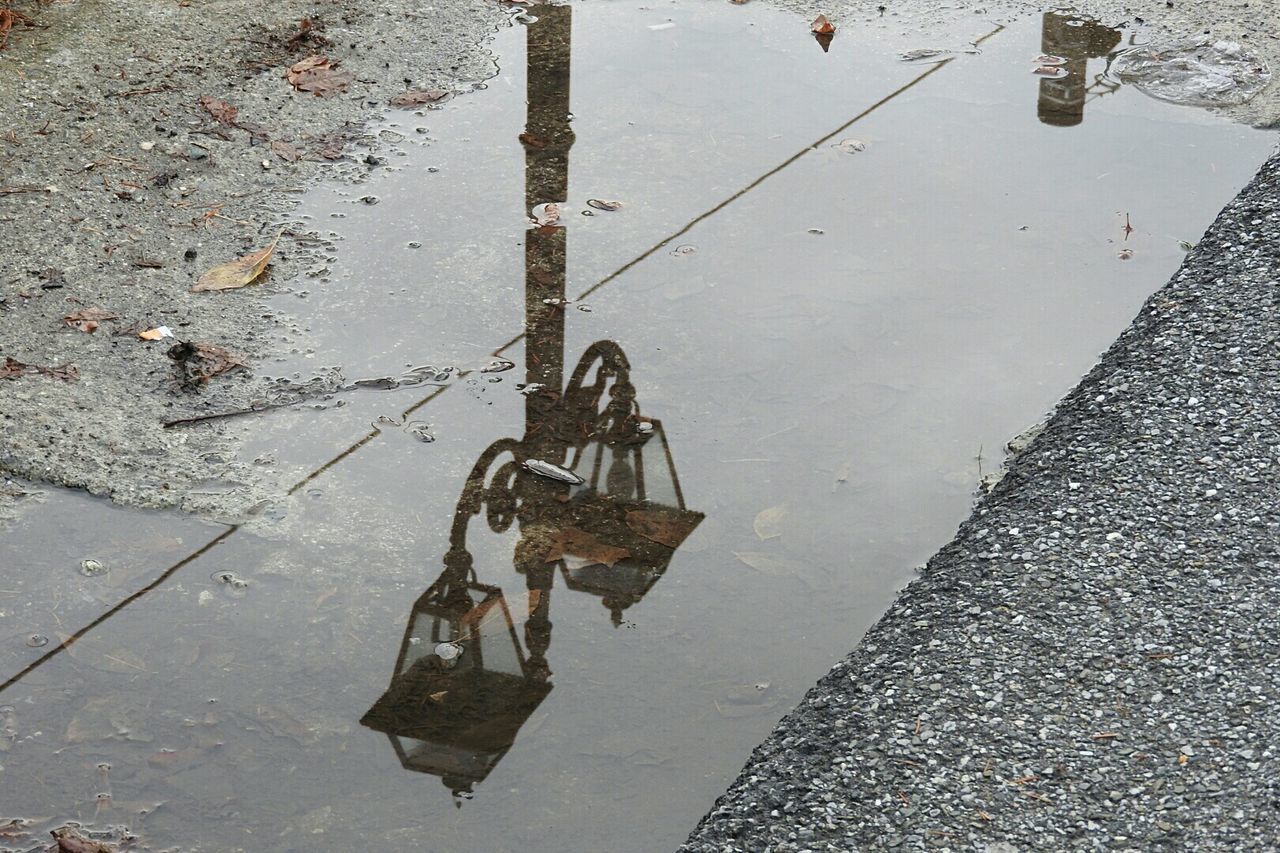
<point>119,187</point>
<point>1093,663</point>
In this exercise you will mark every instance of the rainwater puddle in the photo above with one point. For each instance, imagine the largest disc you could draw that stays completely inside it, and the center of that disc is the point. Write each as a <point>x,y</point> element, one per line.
<point>834,284</point>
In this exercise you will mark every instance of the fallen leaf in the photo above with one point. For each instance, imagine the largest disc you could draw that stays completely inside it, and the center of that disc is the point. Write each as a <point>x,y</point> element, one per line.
<point>69,841</point>
<point>219,109</point>
<point>318,75</point>
<point>12,369</point>
<point>600,204</point>
<point>158,333</point>
<point>770,565</point>
<point>285,151</point>
<point>822,26</point>
<point>664,527</point>
<point>239,272</point>
<point>87,320</point>
<point>533,140</point>
<point>768,523</point>
<point>416,98</point>
<point>546,214</point>
<point>199,362</point>
<point>580,543</point>
<point>438,697</point>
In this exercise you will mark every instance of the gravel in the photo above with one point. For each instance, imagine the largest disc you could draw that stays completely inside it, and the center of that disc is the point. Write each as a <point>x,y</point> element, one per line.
<point>1093,662</point>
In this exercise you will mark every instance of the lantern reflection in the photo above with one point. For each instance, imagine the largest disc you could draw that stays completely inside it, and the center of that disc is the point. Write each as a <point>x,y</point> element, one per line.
<point>464,682</point>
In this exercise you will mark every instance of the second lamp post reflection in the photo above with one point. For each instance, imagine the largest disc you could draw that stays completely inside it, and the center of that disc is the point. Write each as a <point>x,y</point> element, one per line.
<point>473,664</point>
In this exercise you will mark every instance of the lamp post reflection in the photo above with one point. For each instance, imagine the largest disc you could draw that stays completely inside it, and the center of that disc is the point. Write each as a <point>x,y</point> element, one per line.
<point>464,681</point>
<point>1076,39</point>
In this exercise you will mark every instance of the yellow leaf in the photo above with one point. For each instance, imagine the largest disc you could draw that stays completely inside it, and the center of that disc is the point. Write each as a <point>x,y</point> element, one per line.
<point>239,272</point>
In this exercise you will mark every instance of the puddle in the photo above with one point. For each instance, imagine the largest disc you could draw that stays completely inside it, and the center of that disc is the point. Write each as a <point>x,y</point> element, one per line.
<point>558,574</point>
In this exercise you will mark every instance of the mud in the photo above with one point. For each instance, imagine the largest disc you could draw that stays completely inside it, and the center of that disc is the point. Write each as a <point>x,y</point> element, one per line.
<point>120,188</point>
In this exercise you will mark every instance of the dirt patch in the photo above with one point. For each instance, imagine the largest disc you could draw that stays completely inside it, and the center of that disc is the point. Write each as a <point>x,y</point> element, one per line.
<point>143,143</point>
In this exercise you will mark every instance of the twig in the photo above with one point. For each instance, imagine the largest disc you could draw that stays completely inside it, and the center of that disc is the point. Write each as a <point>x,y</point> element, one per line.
<point>232,414</point>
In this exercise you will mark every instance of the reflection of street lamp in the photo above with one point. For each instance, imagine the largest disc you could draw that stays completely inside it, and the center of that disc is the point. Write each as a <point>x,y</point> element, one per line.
<point>1077,40</point>
<point>463,684</point>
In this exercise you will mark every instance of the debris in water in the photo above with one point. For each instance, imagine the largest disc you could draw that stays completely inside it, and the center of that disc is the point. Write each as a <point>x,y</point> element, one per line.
<point>666,26</point>
<point>92,568</point>
<point>601,204</point>
<point>1124,254</point>
<point>925,53</point>
<point>664,526</point>
<point>686,249</point>
<point>239,272</point>
<point>421,430</point>
<point>1185,245</point>
<point>448,653</point>
<point>533,388</point>
<point>69,841</point>
<point>579,543</point>
<point>88,319</point>
<point>406,100</point>
<point>1049,59</point>
<point>1053,72</point>
<point>1215,74</point>
<point>553,472</point>
<point>851,146</point>
<point>768,522</point>
<point>823,31</point>
<point>498,365</point>
<point>36,641</point>
<point>318,75</point>
<point>546,215</point>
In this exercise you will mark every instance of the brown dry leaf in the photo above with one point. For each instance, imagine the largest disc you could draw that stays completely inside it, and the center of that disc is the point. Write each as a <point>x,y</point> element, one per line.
<point>416,98</point>
<point>662,526</point>
<point>239,272</point>
<point>219,109</point>
<point>580,543</point>
<point>318,75</point>
<point>285,151</point>
<point>533,140</point>
<point>438,697</point>
<point>12,369</point>
<point>822,26</point>
<point>214,359</point>
<point>69,841</point>
<point>87,320</point>
<point>547,214</point>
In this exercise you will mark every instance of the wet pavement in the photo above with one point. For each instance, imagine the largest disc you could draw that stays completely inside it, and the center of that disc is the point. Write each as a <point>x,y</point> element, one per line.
<point>836,284</point>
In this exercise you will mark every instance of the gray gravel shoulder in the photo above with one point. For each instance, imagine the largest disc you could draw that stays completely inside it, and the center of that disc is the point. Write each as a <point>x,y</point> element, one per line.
<point>118,188</point>
<point>1094,662</point>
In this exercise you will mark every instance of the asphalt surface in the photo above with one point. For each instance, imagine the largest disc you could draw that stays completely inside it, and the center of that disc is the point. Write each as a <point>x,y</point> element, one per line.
<point>1093,662</point>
